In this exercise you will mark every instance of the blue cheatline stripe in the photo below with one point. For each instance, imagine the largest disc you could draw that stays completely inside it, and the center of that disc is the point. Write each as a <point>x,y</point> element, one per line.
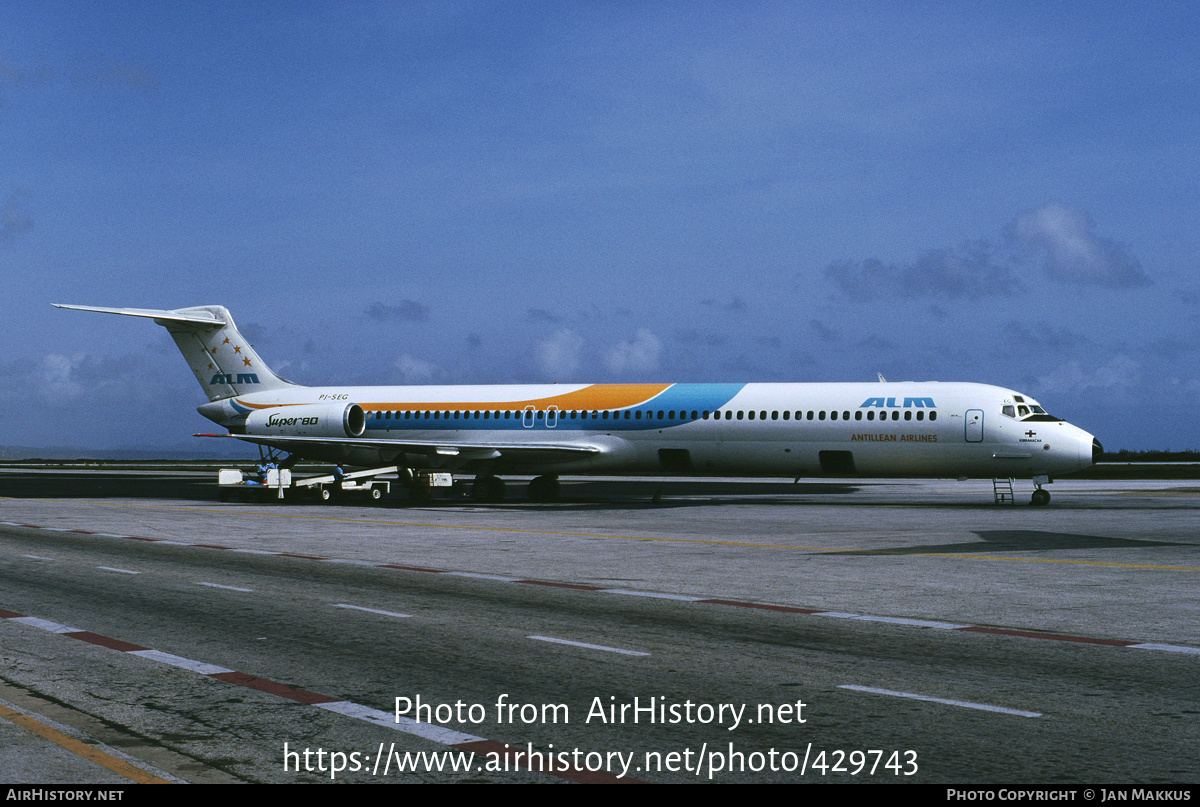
<point>679,403</point>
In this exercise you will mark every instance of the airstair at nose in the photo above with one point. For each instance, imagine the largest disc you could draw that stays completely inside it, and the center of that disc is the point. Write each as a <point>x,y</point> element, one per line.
<point>1002,490</point>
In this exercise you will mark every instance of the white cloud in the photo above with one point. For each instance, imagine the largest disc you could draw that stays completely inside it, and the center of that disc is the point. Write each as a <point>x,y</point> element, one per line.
<point>1117,377</point>
<point>1072,252</point>
<point>416,371</point>
<point>558,356</point>
<point>1057,238</point>
<point>58,376</point>
<point>640,355</point>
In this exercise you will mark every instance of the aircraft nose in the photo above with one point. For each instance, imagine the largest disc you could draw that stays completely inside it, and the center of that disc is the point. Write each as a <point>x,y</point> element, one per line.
<point>1097,450</point>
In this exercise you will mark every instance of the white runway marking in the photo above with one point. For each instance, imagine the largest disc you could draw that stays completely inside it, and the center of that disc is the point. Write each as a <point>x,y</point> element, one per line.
<point>372,610</point>
<point>45,624</point>
<point>681,597</point>
<point>588,646</point>
<point>1170,648</point>
<point>181,662</point>
<point>218,585</point>
<point>964,704</point>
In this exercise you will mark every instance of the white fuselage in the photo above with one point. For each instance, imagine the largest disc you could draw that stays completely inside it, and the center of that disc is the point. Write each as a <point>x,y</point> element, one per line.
<point>906,429</point>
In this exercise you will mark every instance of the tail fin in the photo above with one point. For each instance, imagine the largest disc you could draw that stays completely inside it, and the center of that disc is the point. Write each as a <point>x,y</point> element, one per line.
<point>222,359</point>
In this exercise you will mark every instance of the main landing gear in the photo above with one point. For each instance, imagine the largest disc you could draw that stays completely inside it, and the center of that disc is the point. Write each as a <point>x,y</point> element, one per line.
<point>488,488</point>
<point>544,489</point>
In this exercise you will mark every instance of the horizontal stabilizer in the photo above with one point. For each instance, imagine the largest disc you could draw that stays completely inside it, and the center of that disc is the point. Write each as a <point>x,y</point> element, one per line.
<point>222,360</point>
<point>203,318</point>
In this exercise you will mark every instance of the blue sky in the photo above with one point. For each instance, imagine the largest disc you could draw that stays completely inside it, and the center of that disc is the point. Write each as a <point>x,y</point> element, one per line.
<point>508,192</point>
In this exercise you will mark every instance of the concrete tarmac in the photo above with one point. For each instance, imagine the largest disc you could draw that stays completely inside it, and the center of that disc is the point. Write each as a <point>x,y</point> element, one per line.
<point>1083,613</point>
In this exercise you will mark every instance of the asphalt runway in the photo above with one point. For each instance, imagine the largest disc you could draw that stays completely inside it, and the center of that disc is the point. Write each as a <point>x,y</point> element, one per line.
<point>649,630</point>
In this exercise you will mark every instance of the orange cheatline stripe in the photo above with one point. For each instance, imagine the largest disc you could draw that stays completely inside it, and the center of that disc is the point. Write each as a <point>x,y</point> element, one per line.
<point>596,396</point>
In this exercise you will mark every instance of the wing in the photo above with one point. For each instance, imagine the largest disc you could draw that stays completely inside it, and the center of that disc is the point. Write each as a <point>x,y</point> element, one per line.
<point>438,453</point>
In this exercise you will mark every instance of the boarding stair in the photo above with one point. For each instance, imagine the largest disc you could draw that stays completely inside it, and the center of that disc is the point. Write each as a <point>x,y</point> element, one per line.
<point>1002,489</point>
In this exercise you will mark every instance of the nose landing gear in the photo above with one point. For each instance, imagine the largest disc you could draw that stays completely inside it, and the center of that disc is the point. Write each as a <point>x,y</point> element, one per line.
<point>1041,497</point>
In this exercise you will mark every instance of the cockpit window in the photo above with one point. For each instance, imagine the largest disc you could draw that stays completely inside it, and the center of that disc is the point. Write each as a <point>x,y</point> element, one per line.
<point>1035,412</point>
<point>1027,409</point>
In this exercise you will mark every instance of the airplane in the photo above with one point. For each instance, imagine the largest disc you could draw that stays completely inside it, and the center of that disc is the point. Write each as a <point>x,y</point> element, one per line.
<point>871,429</point>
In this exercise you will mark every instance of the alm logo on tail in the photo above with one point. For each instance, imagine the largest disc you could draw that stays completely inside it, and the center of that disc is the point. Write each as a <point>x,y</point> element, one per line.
<point>231,379</point>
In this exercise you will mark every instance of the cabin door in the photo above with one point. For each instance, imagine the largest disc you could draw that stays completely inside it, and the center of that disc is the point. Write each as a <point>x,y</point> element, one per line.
<point>974,425</point>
